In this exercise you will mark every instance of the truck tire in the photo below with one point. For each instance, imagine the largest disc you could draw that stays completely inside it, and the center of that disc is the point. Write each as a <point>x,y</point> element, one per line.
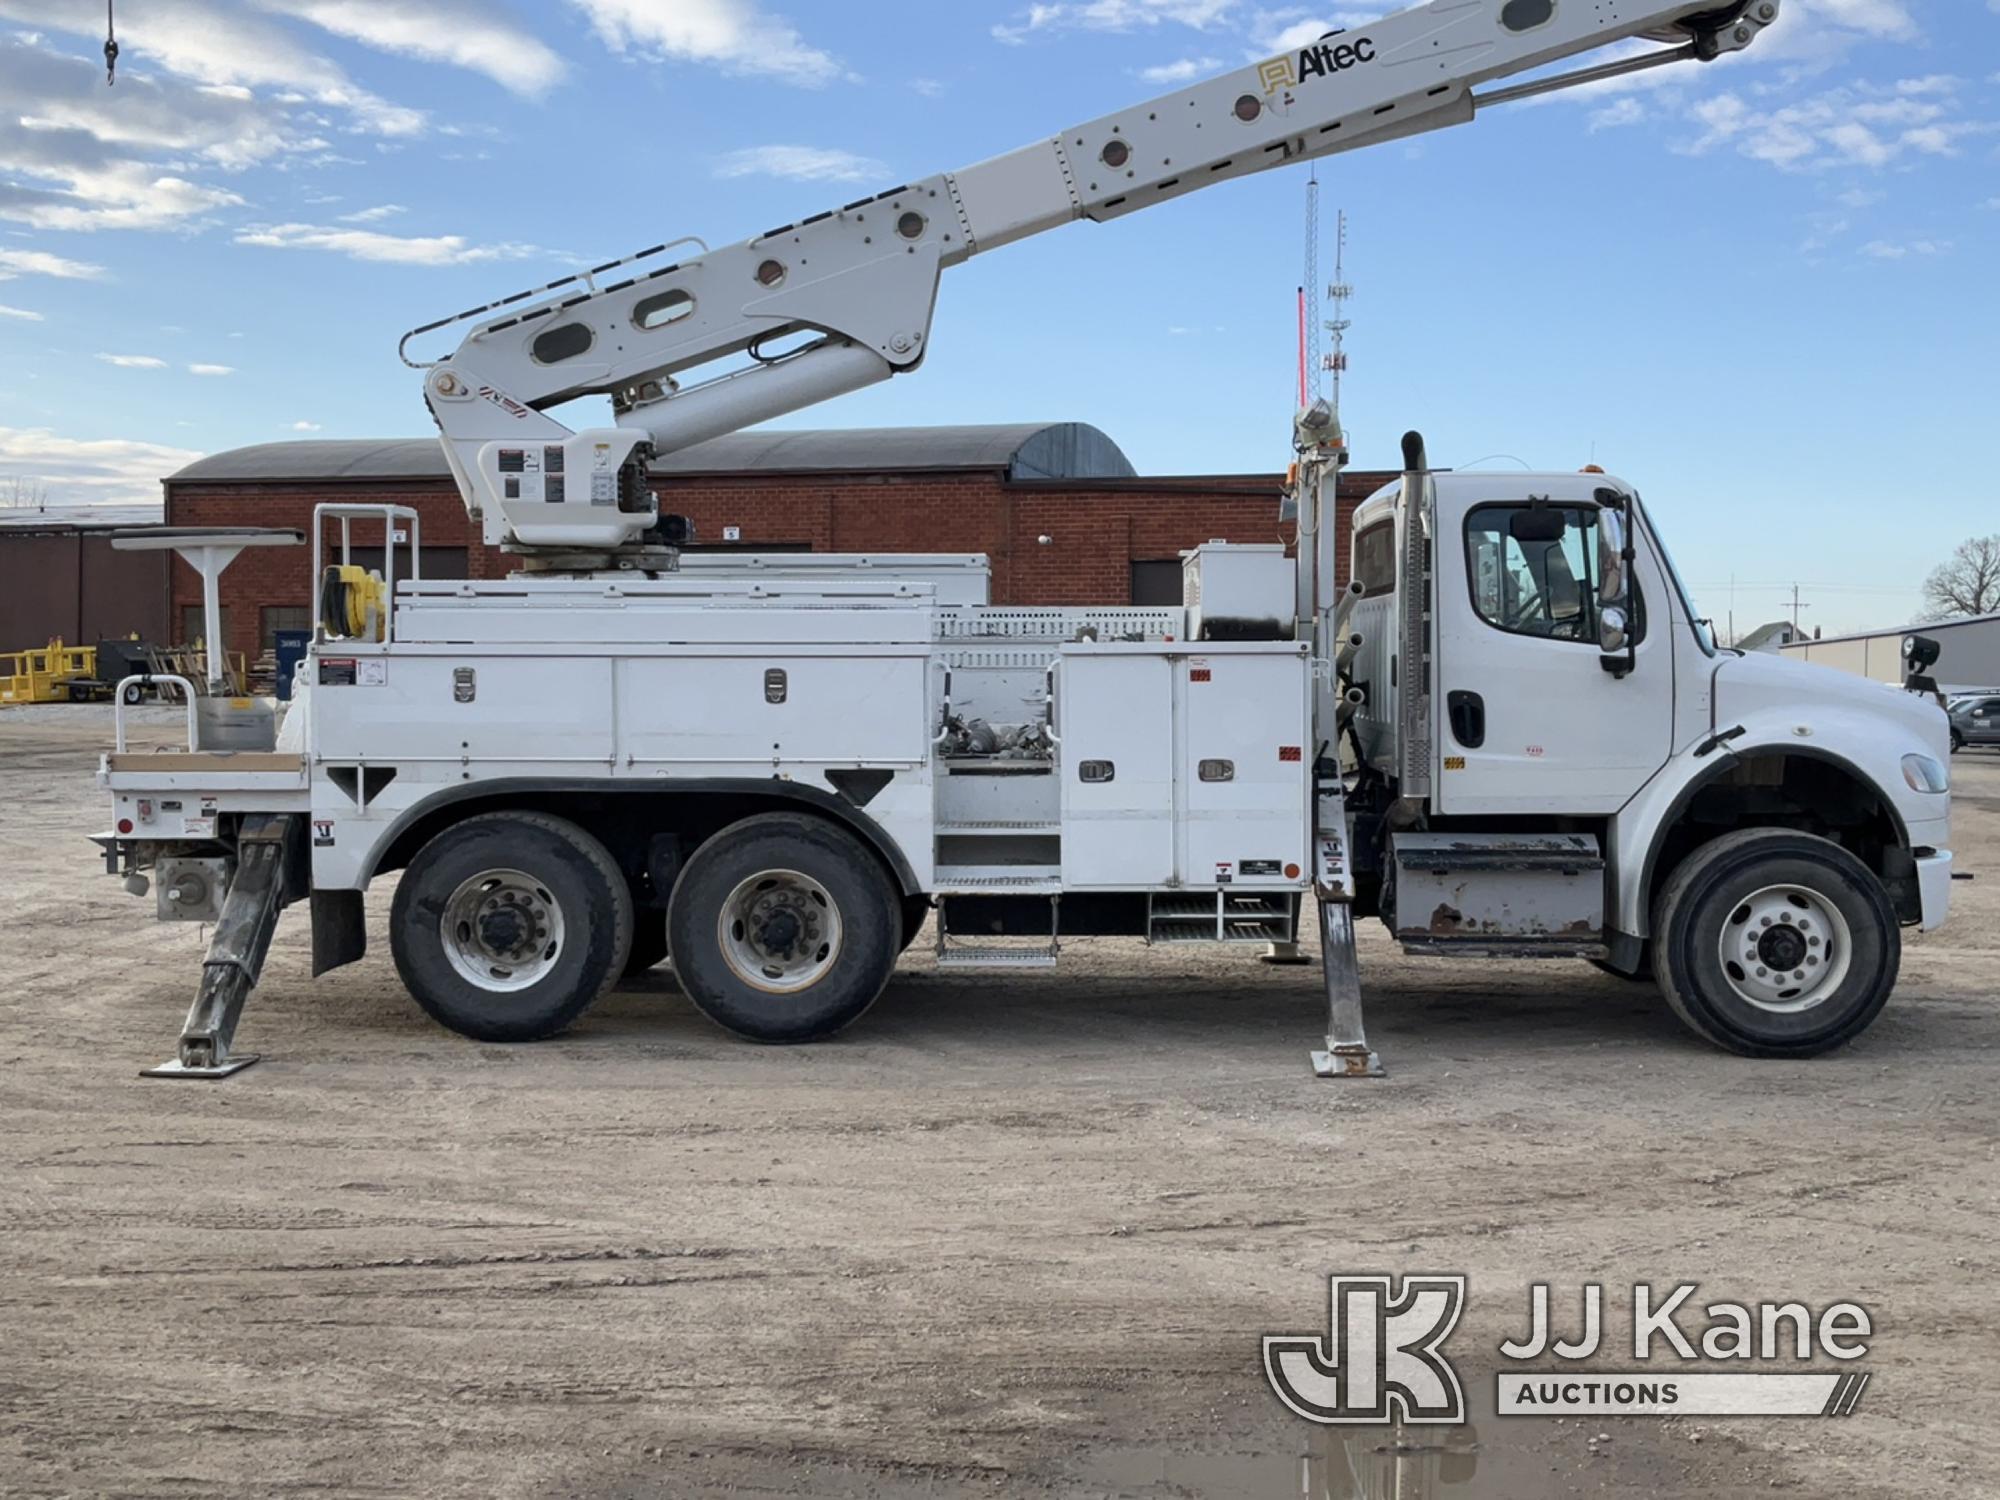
<point>1772,943</point>
<point>506,927</point>
<point>784,928</point>
<point>649,941</point>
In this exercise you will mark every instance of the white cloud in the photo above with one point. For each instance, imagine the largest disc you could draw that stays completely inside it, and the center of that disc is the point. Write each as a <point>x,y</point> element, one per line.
<point>1624,110</point>
<point>40,263</point>
<point>801,164</point>
<point>1904,249</point>
<point>86,471</point>
<point>1852,125</point>
<point>930,88</point>
<point>211,369</point>
<point>461,32</point>
<point>134,361</point>
<point>374,215</point>
<point>372,245</point>
<point>229,50</point>
<point>1115,15</point>
<point>19,312</point>
<point>1290,29</point>
<point>734,35</point>
<point>1890,19</point>
<point>74,156</point>
<point>1185,70</point>
<point>305,426</point>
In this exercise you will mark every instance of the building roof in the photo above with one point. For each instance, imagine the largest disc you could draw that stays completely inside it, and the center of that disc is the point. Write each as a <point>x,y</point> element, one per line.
<point>1921,627</point>
<point>1026,450</point>
<point>68,518</point>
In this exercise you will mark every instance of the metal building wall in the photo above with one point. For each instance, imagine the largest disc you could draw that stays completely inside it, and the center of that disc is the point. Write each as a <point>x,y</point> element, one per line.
<point>1970,653</point>
<point>71,584</point>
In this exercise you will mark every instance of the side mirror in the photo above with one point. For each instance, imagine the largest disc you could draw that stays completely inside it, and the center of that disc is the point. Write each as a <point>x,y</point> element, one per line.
<point>1613,630</point>
<point>1614,583</point>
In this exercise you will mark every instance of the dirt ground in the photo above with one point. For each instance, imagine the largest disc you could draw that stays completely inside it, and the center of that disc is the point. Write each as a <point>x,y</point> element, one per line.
<point>1011,1236</point>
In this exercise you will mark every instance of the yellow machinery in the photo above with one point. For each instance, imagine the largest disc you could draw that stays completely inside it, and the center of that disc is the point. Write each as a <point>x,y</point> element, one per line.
<point>44,675</point>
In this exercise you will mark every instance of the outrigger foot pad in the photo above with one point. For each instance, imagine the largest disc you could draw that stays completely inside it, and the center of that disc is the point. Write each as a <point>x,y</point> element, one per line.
<point>1349,1062</point>
<point>179,1069</point>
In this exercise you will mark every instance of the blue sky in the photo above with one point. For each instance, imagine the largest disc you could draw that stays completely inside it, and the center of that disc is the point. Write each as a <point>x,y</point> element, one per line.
<point>1765,290</point>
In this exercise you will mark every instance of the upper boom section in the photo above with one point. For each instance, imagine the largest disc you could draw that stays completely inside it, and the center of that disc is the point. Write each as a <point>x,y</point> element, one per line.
<point>845,298</point>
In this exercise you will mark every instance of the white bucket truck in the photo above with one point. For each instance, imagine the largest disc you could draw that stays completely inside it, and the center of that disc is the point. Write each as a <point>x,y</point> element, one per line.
<point>1512,737</point>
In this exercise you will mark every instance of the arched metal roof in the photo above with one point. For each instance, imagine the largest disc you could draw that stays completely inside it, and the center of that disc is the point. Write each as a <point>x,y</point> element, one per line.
<point>1026,450</point>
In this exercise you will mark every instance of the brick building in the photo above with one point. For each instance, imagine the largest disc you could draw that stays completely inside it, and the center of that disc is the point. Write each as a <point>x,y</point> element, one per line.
<point>1057,508</point>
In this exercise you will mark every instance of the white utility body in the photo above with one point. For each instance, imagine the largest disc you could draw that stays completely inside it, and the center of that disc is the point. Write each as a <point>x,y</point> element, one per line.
<point>1509,737</point>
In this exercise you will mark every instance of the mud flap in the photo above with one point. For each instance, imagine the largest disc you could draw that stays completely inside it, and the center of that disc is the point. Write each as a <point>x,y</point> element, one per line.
<point>339,931</point>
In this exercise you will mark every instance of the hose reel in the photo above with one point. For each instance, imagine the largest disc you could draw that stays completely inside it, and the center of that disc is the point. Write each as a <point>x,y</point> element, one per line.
<point>353,604</point>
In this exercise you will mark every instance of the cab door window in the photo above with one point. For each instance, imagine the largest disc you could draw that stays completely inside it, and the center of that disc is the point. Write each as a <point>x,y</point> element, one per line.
<point>1529,582</point>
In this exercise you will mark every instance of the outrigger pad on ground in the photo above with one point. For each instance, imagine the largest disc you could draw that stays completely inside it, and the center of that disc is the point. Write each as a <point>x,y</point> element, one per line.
<point>179,1069</point>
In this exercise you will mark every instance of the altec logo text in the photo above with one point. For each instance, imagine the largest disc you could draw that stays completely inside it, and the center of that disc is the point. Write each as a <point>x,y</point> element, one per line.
<point>1320,61</point>
<point>1383,1357</point>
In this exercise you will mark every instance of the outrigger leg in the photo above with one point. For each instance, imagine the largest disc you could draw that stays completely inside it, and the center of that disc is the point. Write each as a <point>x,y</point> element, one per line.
<point>267,851</point>
<point>1347,1054</point>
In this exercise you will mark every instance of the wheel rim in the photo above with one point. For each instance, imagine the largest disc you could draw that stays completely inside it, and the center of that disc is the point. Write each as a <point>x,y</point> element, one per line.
<point>779,931</point>
<point>502,930</point>
<point>1785,948</point>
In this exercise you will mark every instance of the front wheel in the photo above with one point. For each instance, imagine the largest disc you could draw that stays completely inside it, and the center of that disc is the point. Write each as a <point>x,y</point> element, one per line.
<point>1772,943</point>
<point>784,928</point>
<point>506,927</point>
<point>1957,742</point>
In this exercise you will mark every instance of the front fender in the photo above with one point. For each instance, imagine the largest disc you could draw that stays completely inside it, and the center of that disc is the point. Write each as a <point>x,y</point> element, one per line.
<point>1639,830</point>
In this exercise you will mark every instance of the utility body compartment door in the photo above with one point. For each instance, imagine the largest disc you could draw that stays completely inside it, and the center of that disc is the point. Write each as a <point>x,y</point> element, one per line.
<point>1115,716</point>
<point>1184,765</point>
<point>1242,752</point>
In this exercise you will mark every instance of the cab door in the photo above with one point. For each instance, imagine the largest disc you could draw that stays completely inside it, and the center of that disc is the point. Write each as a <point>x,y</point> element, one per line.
<point>1529,720</point>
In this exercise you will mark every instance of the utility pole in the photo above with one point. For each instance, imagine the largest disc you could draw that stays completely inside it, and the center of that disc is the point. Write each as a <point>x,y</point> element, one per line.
<point>1796,607</point>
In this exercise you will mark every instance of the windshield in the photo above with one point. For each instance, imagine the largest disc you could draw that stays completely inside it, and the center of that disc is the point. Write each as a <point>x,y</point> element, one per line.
<point>1703,634</point>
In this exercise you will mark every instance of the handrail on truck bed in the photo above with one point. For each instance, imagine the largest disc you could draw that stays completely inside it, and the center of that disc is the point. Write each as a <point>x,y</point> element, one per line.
<point>118,707</point>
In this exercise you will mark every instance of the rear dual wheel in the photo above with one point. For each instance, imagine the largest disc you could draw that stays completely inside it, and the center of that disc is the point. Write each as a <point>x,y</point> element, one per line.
<point>784,928</point>
<point>508,926</point>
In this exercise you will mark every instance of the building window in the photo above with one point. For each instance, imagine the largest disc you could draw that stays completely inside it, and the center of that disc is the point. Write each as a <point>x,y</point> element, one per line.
<point>1157,585</point>
<point>192,628</point>
<point>276,617</point>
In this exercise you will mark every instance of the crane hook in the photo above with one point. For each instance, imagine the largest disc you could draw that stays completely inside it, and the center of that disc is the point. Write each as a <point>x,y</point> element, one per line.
<point>110,46</point>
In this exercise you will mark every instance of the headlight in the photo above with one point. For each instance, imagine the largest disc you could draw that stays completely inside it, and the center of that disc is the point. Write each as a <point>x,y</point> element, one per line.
<point>1925,775</point>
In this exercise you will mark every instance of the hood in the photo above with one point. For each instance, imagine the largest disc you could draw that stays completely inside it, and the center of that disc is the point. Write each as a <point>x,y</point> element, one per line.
<point>1814,699</point>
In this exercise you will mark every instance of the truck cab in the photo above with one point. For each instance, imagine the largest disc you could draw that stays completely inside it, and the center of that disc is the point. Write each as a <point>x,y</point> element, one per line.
<point>1555,681</point>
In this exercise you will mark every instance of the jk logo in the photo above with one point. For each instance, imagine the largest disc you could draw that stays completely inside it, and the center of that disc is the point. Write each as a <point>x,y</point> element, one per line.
<point>1380,1361</point>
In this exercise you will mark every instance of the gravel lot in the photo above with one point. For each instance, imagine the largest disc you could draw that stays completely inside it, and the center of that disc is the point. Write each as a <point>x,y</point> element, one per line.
<point>1011,1236</point>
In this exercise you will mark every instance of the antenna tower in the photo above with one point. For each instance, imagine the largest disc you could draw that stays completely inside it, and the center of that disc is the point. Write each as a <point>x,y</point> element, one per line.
<point>1339,292</point>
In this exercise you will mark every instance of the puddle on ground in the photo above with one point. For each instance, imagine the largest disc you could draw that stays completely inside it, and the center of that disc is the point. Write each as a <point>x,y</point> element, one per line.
<point>1485,1458</point>
<point>1370,1463</point>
